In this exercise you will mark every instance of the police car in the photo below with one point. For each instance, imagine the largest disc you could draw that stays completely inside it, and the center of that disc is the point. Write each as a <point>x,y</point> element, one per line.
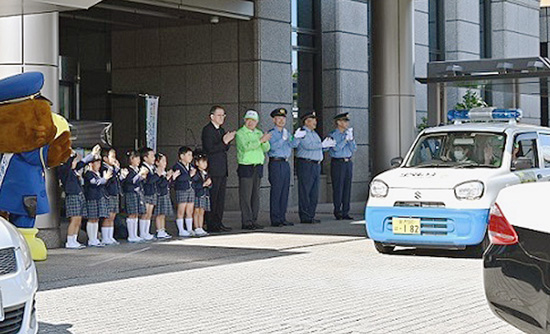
<point>18,283</point>
<point>440,194</point>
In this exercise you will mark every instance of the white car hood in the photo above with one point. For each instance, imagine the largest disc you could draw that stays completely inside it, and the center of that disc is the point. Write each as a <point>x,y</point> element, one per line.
<point>8,234</point>
<point>434,178</point>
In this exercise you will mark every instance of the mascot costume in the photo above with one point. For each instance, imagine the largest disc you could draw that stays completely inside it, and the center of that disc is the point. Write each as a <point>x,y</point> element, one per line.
<point>32,139</point>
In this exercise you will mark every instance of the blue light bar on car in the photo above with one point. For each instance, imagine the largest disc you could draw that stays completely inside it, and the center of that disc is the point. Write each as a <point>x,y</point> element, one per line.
<point>484,114</point>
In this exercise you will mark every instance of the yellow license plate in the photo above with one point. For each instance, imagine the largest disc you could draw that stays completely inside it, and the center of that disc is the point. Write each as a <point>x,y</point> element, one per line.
<point>406,225</point>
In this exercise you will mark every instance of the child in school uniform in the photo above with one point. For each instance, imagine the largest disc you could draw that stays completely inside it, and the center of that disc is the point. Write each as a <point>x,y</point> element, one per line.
<point>185,194</point>
<point>149,192</point>
<point>70,175</point>
<point>164,203</point>
<point>112,192</point>
<point>201,184</point>
<point>96,203</point>
<point>133,194</point>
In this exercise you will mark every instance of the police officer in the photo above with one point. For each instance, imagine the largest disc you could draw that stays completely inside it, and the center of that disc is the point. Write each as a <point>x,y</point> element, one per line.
<point>341,166</point>
<point>279,168</point>
<point>310,154</point>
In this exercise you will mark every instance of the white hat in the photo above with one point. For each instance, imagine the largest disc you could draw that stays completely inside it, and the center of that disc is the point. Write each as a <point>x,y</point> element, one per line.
<point>252,114</point>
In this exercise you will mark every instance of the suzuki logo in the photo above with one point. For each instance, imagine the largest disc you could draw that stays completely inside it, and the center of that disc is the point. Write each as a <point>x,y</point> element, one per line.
<point>417,195</point>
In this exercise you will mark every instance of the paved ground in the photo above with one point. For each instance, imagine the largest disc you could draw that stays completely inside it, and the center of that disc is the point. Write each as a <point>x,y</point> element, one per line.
<point>323,278</point>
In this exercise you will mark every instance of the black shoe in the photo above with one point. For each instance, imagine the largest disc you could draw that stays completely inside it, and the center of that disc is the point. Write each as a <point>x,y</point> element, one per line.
<point>214,230</point>
<point>277,224</point>
<point>338,217</point>
<point>287,223</point>
<point>225,228</point>
<point>306,222</point>
<point>248,227</point>
<point>316,221</point>
<point>347,217</point>
<point>257,226</point>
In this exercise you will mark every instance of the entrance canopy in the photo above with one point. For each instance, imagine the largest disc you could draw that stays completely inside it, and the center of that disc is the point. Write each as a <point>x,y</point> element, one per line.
<point>515,76</point>
<point>19,7</point>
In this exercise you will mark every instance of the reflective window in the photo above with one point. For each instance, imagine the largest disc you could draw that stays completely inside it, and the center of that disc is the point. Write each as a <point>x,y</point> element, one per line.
<point>524,154</point>
<point>544,140</point>
<point>458,150</point>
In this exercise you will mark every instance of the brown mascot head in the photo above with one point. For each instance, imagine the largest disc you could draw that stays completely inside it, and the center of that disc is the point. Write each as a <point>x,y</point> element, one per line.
<point>26,119</point>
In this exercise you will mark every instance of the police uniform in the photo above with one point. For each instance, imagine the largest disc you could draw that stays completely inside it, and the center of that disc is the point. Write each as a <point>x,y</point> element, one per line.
<point>309,151</point>
<point>22,178</point>
<point>341,168</point>
<point>279,171</point>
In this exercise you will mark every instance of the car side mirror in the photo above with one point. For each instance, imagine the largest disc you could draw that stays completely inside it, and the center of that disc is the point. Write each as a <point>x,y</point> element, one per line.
<point>522,163</point>
<point>396,162</point>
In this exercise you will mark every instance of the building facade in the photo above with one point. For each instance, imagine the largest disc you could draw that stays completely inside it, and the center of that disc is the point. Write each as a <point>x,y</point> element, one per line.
<point>298,54</point>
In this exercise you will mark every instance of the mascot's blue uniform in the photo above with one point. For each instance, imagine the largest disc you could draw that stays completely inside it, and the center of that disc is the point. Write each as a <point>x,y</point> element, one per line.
<point>22,175</point>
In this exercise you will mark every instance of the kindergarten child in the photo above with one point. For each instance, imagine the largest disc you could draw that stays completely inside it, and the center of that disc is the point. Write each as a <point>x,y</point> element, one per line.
<point>164,203</point>
<point>149,192</point>
<point>185,194</point>
<point>112,192</point>
<point>133,194</point>
<point>201,184</point>
<point>96,202</point>
<point>70,175</point>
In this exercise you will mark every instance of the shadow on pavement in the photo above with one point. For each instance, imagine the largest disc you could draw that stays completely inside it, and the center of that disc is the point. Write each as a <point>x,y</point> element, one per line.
<point>66,268</point>
<point>45,328</point>
<point>453,254</point>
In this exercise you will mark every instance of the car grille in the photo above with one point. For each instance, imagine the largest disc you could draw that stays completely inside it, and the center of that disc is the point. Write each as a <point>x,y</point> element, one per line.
<point>429,226</point>
<point>13,319</point>
<point>8,264</point>
<point>414,204</point>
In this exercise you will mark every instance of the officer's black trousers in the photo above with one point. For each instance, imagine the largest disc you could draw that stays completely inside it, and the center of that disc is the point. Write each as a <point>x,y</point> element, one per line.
<point>341,174</point>
<point>279,178</point>
<point>309,174</point>
<point>217,202</point>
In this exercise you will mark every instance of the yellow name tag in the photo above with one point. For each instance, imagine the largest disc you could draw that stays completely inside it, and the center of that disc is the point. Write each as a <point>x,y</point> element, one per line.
<point>406,225</point>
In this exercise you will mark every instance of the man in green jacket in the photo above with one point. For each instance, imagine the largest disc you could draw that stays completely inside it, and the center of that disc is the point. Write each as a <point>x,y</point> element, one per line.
<point>252,144</point>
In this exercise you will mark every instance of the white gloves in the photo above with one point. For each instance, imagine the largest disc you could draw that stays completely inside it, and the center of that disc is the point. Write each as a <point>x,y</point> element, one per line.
<point>328,143</point>
<point>285,134</point>
<point>300,133</point>
<point>349,134</point>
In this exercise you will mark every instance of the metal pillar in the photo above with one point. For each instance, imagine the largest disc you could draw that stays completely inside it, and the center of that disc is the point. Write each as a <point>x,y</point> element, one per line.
<point>393,87</point>
<point>33,45</point>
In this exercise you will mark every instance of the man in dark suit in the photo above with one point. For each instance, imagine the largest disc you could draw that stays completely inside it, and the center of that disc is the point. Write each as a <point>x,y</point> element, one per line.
<point>215,143</point>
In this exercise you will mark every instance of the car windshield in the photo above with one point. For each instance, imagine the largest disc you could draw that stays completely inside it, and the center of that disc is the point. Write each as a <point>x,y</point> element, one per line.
<point>458,150</point>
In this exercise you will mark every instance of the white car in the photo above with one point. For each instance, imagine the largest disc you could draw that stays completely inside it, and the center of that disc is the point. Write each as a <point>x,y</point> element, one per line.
<point>440,194</point>
<point>18,283</point>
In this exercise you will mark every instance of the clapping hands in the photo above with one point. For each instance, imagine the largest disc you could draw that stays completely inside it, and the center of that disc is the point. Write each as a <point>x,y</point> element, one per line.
<point>328,142</point>
<point>124,172</point>
<point>143,171</point>
<point>349,134</point>
<point>107,174</point>
<point>300,133</point>
<point>229,136</point>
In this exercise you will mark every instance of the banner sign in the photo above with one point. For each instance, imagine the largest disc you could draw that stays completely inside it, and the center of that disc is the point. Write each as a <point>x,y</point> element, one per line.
<point>151,121</point>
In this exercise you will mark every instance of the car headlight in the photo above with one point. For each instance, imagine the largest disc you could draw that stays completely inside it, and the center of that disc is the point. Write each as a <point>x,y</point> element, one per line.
<point>469,190</point>
<point>379,189</point>
<point>25,251</point>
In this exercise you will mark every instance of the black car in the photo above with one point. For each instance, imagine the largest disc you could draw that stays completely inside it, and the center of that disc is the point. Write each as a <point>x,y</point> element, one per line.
<point>517,264</point>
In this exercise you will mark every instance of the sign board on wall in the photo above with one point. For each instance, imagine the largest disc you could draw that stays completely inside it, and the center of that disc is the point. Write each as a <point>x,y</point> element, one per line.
<point>151,120</point>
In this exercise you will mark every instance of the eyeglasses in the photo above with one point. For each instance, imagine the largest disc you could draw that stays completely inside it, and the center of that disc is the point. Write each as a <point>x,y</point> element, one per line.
<point>223,115</point>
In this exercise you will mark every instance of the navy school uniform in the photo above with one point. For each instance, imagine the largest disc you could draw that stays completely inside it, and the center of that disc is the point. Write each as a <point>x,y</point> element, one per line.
<point>185,192</point>
<point>112,188</point>
<point>133,192</point>
<point>202,193</point>
<point>150,185</point>
<point>164,203</point>
<point>94,191</point>
<point>72,181</point>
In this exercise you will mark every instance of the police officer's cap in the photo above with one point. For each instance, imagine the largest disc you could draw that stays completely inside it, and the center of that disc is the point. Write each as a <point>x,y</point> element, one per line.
<point>278,112</point>
<point>307,115</point>
<point>21,87</point>
<point>343,116</point>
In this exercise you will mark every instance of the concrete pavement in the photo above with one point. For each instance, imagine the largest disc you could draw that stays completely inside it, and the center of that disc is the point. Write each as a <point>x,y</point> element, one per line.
<point>302,279</point>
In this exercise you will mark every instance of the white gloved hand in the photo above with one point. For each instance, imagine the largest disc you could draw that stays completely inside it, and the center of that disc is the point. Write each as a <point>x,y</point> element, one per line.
<point>300,133</point>
<point>328,143</point>
<point>349,134</point>
<point>285,134</point>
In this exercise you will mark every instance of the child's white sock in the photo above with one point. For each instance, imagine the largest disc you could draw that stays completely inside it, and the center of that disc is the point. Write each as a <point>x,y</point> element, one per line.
<point>105,235</point>
<point>142,228</point>
<point>71,239</point>
<point>189,224</point>
<point>91,229</point>
<point>179,222</point>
